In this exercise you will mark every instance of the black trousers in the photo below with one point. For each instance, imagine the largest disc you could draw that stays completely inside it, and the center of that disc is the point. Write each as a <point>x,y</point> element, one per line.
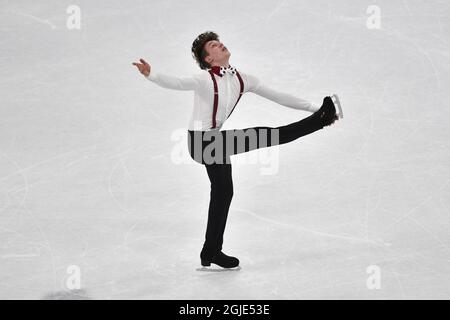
<point>219,170</point>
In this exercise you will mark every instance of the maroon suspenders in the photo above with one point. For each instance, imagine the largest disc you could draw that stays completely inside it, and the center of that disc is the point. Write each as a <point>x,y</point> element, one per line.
<point>216,96</point>
<point>240,92</point>
<point>216,99</point>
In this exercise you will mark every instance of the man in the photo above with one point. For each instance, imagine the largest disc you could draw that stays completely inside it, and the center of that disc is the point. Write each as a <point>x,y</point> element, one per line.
<point>216,94</point>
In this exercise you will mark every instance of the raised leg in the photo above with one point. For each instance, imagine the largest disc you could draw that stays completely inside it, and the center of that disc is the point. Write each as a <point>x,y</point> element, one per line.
<point>238,141</point>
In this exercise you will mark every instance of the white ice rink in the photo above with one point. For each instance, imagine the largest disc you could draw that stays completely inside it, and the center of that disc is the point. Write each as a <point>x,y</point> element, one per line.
<point>88,182</point>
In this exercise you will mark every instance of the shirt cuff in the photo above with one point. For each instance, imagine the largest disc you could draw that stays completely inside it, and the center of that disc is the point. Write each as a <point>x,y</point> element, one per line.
<point>152,76</point>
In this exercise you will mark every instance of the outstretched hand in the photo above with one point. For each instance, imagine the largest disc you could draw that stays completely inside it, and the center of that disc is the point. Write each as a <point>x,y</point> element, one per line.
<point>143,67</point>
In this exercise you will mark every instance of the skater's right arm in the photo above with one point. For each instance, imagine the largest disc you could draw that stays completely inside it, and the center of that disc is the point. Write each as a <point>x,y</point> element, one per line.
<point>175,83</point>
<point>167,81</point>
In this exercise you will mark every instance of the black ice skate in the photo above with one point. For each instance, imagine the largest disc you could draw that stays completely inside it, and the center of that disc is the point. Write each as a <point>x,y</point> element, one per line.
<point>222,260</point>
<point>327,112</point>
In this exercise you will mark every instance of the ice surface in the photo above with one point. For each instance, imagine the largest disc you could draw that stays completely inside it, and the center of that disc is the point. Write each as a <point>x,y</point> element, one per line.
<point>87,178</point>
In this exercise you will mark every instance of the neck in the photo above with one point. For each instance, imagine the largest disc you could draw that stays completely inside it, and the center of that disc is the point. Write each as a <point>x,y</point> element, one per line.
<point>221,64</point>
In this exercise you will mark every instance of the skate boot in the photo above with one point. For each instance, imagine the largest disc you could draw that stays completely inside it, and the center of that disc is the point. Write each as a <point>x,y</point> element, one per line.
<point>327,112</point>
<point>222,260</point>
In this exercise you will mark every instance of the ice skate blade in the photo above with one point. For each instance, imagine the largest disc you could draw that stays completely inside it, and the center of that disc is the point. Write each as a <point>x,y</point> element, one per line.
<point>218,269</point>
<point>337,102</point>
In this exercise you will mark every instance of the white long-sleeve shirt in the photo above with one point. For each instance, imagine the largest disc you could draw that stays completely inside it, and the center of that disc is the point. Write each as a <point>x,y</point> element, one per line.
<point>228,92</point>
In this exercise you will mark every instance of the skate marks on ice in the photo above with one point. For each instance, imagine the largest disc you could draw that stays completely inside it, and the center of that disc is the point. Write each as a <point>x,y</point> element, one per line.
<point>377,242</point>
<point>218,269</point>
<point>78,294</point>
<point>37,19</point>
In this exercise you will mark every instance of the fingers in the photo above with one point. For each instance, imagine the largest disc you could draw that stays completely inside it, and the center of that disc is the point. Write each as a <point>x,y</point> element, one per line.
<point>143,61</point>
<point>142,66</point>
<point>139,66</point>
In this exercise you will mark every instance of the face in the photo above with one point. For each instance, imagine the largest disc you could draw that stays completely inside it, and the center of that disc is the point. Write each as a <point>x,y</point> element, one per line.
<point>217,52</point>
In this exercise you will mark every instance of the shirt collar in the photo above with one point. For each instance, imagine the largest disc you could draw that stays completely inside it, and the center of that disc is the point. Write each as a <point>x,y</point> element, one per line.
<point>220,70</point>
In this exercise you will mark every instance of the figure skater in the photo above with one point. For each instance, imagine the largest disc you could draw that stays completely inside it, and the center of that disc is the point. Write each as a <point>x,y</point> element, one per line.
<point>216,94</point>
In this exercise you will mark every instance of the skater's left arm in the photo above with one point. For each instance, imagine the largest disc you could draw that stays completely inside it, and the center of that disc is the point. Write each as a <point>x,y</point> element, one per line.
<point>285,99</point>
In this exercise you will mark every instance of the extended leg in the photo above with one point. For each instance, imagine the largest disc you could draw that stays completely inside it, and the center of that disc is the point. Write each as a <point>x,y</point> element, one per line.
<point>216,146</point>
<point>238,141</point>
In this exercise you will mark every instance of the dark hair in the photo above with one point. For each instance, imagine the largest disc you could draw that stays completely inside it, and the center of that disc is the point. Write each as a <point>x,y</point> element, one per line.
<point>198,48</point>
